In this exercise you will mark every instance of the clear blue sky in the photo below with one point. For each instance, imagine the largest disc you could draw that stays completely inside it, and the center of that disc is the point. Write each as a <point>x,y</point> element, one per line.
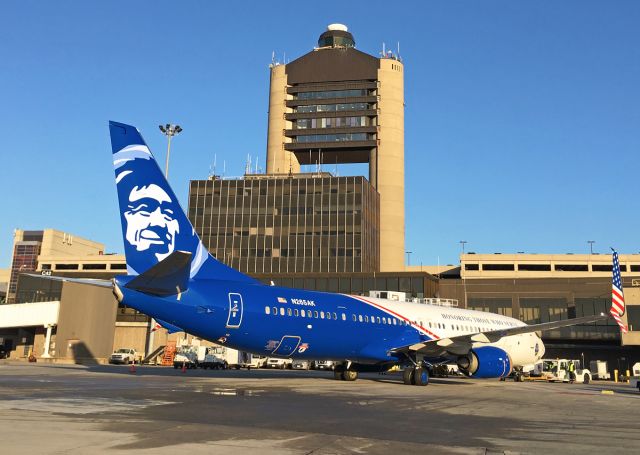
<point>522,118</point>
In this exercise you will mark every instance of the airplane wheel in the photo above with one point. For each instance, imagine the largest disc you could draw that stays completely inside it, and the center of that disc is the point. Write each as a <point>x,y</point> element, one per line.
<point>350,375</point>
<point>408,376</point>
<point>421,376</point>
<point>586,379</point>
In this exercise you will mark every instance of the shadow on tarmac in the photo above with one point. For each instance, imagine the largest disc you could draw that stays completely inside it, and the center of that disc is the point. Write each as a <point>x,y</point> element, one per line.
<point>254,373</point>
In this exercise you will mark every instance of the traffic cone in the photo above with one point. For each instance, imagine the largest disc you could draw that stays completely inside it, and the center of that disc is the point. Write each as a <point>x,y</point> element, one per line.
<point>184,367</point>
<point>132,368</point>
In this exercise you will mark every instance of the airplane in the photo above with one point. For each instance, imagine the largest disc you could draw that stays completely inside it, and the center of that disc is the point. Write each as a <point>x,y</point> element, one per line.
<point>173,278</point>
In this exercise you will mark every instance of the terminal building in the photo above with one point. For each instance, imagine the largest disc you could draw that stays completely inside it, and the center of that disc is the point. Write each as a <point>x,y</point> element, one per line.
<point>318,231</point>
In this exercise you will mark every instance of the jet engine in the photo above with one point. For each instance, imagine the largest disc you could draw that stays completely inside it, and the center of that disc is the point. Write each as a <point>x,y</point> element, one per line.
<point>485,362</point>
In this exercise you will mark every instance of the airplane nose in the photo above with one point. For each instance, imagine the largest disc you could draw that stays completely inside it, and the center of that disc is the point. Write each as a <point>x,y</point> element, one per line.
<point>541,348</point>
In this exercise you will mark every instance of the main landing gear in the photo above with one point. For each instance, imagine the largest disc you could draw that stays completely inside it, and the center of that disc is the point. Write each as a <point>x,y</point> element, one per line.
<point>415,376</point>
<point>341,373</point>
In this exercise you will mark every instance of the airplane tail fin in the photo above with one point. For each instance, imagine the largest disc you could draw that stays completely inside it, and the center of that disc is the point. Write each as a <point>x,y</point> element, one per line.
<point>153,223</point>
<point>618,306</point>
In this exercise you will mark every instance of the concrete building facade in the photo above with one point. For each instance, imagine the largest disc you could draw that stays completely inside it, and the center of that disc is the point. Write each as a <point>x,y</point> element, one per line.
<point>29,245</point>
<point>298,223</point>
<point>338,105</point>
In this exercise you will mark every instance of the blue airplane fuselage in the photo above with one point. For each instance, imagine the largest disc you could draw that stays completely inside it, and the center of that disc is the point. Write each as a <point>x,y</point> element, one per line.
<point>281,322</point>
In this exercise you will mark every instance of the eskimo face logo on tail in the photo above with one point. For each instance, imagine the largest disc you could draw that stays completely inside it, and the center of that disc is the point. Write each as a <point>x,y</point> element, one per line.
<point>148,211</point>
<point>150,222</point>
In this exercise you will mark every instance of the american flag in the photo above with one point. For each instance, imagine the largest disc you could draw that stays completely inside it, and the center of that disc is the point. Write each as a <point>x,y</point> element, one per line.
<point>617,295</point>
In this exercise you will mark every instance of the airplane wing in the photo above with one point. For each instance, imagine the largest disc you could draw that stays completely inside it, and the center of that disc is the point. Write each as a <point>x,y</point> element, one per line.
<point>89,281</point>
<point>461,344</point>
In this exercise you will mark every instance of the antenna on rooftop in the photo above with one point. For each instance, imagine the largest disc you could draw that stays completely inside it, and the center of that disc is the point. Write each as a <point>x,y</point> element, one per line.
<point>384,50</point>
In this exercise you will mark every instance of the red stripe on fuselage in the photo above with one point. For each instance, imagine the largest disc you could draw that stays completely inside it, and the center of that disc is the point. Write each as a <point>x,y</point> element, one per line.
<point>435,337</point>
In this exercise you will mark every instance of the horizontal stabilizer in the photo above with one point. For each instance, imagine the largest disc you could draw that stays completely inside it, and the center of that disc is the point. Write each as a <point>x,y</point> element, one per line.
<point>168,277</point>
<point>89,281</point>
<point>170,327</point>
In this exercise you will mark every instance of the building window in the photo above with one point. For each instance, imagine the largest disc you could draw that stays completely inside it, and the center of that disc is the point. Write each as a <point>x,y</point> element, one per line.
<point>497,267</point>
<point>342,137</point>
<point>633,317</point>
<point>534,267</point>
<point>572,268</point>
<point>332,94</point>
<point>94,267</point>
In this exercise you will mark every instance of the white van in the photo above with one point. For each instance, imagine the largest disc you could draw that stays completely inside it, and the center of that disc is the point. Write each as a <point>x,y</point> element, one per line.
<point>281,364</point>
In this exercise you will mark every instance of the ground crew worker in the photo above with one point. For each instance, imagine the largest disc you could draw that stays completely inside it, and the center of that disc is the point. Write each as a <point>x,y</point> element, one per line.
<point>572,374</point>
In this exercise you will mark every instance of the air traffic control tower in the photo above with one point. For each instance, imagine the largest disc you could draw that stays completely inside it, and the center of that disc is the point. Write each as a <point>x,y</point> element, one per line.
<point>337,105</point>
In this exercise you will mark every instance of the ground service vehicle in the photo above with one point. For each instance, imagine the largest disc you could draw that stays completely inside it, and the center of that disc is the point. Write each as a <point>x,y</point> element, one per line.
<point>599,369</point>
<point>172,277</point>
<point>324,365</point>
<point>558,370</point>
<point>300,364</point>
<point>208,359</point>
<point>186,356</point>
<point>123,355</point>
<point>278,363</point>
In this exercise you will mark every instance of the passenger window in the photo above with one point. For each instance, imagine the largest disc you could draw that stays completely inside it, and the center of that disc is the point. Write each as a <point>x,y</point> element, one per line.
<point>335,317</point>
<point>378,319</point>
<point>275,311</point>
<point>267,310</point>
<point>366,318</point>
<point>295,312</point>
<point>384,320</point>
<point>315,314</point>
<point>373,320</point>
<point>322,315</point>
<point>360,317</point>
<point>353,316</point>
<point>344,317</point>
<point>394,322</point>
<point>303,313</point>
<point>288,311</point>
<point>281,311</point>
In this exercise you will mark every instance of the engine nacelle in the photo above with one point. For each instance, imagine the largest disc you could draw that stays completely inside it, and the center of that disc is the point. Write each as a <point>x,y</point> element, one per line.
<point>486,362</point>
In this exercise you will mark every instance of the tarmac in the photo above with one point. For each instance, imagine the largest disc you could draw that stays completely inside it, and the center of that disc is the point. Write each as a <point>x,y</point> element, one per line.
<point>74,409</point>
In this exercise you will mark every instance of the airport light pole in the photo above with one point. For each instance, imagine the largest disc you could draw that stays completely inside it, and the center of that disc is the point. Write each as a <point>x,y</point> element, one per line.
<point>591,242</point>
<point>408,257</point>
<point>464,280</point>
<point>463,242</point>
<point>169,130</point>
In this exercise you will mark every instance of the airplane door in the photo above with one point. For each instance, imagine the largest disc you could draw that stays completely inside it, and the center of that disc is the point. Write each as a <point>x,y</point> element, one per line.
<point>287,346</point>
<point>235,311</point>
